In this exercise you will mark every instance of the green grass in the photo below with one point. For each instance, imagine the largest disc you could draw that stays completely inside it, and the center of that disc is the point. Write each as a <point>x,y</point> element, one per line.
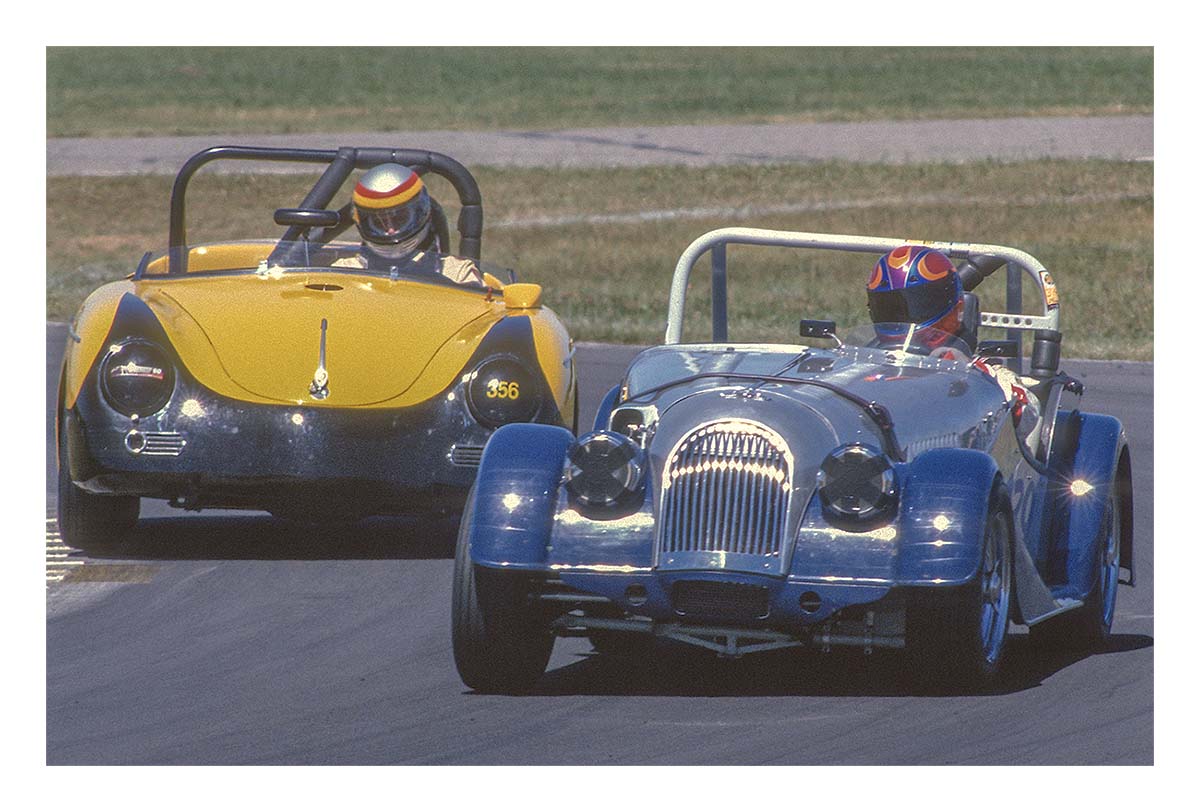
<point>1090,223</point>
<point>162,91</point>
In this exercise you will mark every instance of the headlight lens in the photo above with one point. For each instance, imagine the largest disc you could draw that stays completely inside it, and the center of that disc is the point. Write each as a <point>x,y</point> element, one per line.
<point>857,483</point>
<point>137,378</point>
<point>604,469</point>
<point>502,390</point>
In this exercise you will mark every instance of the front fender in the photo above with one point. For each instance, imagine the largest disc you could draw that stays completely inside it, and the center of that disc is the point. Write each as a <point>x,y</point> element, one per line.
<point>1100,448</point>
<point>943,511</point>
<point>515,494</point>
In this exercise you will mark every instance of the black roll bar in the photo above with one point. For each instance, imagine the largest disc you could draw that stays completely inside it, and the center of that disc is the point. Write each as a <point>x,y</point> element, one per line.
<point>342,162</point>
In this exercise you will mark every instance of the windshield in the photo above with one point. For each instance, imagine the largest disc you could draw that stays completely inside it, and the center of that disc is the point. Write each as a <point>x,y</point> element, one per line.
<point>903,344</point>
<point>273,258</point>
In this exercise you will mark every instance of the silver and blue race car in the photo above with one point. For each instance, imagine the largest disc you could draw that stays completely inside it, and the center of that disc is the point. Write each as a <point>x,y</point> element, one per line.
<point>844,492</point>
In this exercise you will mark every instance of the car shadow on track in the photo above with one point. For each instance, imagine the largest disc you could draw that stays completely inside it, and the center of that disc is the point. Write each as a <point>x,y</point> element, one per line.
<point>257,537</point>
<point>672,670</point>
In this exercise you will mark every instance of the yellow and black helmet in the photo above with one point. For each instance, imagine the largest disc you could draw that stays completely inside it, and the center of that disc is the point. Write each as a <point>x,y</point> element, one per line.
<point>392,207</point>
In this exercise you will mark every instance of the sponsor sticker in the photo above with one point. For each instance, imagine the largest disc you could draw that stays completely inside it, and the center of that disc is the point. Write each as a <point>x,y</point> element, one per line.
<point>1051,291</point>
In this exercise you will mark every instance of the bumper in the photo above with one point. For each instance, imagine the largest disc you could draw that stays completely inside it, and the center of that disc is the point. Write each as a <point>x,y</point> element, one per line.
<point>205,450</point>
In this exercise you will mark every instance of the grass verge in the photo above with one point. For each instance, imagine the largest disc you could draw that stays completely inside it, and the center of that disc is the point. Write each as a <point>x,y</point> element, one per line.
<point>94,91</point>
<point>603,243</point>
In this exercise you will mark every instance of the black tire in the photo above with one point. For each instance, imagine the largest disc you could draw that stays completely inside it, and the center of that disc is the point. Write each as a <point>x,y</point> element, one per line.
<point>501,642</point>
<point>88,520</point>
<point>955,638</point>
<point>1089,627</point>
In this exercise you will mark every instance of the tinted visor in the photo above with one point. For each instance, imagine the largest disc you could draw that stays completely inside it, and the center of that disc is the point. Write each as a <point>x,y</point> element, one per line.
<point>923,304</point>
<point>394,224</point>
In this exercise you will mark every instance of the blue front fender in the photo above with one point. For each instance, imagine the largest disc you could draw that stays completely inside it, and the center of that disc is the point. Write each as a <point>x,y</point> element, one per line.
<point>1101,442</point>
<point>943,511</point>
<point>515,494</point>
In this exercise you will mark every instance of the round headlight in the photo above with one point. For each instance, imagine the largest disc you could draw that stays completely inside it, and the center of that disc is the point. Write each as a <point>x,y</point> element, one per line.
<point>137,378</point>
<point>503,390</point>
<point>604,468</point>
<point>857,483</point>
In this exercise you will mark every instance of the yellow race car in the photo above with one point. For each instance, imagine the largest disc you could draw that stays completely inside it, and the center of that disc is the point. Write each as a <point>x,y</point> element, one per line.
<point>283,375</point>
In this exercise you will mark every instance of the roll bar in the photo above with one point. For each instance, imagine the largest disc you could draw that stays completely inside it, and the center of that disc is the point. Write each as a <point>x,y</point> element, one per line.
<point>983,259</point>
<point>342,162</point>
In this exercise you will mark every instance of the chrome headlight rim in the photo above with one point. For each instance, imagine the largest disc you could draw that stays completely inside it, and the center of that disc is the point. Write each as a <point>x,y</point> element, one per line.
<point>856,483</point>
<point>122,402</point>
<point>604,469</point>
<point>529,392</point>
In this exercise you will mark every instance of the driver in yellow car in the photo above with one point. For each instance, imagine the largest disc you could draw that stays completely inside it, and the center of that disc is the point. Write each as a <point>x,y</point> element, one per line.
<point>394,215</point>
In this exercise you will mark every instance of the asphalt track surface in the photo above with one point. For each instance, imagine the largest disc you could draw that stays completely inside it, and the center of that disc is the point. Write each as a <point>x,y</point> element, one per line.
<point>1126,138</point>
<point>231,638</point>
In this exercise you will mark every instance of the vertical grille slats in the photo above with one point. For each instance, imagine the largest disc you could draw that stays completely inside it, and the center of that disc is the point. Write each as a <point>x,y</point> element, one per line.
<point>727,486</point>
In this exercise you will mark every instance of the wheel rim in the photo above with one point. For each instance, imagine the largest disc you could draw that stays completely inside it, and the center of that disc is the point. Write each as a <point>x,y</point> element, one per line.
<point>996,584</point>
<point>1110,565</point>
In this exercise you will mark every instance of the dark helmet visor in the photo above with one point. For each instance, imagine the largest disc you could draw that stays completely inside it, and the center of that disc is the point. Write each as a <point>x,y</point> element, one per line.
<point>921,304</point>
<point>395,224</point>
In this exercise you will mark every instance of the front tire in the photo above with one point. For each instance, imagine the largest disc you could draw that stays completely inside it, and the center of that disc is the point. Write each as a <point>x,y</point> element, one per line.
<point>501,642</point>
<point>956,637</point>
<point>86,519</point>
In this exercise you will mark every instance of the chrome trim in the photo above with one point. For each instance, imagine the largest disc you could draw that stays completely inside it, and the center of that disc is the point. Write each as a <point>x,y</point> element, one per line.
<point>319,388</point>
<point>726,488</point>
<point>467,456</point>
<point>155,443</point>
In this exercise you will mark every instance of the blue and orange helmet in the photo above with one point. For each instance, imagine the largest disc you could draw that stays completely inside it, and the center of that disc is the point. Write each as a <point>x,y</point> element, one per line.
<point>392,207</point>
<point>915,285</point>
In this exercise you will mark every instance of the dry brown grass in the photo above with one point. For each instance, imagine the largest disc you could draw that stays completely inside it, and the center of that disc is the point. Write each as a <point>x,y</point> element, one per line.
<point>1090,223</point>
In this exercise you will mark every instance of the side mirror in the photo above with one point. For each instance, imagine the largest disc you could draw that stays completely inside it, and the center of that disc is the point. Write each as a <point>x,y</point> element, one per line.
<point>814,328</point>
<point>1003,348</point>
<point>522,296</point>
<point>307,218</point>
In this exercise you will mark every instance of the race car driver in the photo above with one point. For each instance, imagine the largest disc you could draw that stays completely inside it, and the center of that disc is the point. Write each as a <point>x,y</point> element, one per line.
<point>394,215</point>
<point>918,287</point>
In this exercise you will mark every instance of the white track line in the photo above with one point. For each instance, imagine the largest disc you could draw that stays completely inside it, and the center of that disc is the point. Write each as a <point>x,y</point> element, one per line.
<point>657,215</point>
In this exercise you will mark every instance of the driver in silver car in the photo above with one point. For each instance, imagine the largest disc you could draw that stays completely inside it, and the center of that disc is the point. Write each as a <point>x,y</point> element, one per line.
<point>916,290</point>
<point>394,215</point>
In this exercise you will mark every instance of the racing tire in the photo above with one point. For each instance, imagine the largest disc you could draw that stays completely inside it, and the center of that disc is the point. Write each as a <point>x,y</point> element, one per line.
<point>1089,627</point>
<point>501,642</point>
<point>89,520</point>
<point>955,638</point>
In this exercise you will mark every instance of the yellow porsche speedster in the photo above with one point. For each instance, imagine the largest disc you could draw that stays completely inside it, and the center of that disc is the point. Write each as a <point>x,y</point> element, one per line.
<point>285,375</point>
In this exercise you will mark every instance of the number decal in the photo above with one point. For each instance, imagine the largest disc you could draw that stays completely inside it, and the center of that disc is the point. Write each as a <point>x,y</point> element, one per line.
<point>503,389</point>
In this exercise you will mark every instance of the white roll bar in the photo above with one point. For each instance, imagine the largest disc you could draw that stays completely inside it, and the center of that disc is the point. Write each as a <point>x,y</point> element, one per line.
<point>716,241</point>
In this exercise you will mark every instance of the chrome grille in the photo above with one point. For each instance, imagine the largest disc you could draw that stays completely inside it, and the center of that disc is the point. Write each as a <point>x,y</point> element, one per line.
<point>466,455</point>
<point>726,489</point>
<point>163,444</point>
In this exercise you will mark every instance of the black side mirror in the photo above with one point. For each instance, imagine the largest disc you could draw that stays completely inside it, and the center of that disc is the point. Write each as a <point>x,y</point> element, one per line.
<point>307,218</point>
<point>815,328</point>
<point>1004,348</point>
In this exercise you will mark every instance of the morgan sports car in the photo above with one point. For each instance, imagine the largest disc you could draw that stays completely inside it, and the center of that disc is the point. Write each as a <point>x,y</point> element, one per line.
<point>848,491</point>
<point>266,374</point>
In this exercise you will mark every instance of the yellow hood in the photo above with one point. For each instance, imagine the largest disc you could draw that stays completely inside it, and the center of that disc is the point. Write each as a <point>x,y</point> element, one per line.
<point>265,333</point>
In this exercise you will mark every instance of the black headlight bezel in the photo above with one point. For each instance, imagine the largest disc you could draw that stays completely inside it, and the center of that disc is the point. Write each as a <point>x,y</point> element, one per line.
<point>857,485</point>
<point>501,407</point>
<point>148,362</point>
<point>604,469</point>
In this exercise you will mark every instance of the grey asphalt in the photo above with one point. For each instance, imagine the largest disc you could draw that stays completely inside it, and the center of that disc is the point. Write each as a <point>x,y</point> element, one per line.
<point>234,639</point>
<point>1126,138</point>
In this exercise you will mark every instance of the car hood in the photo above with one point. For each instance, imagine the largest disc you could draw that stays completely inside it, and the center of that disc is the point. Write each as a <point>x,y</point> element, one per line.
<point>931,403</point>
<point>383,338</point>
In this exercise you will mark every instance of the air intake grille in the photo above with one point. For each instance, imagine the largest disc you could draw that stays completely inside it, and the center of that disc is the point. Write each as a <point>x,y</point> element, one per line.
<point>163,444</point>
<point>466,455</point>
<point>720,601</point>
<point>726,489</point>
